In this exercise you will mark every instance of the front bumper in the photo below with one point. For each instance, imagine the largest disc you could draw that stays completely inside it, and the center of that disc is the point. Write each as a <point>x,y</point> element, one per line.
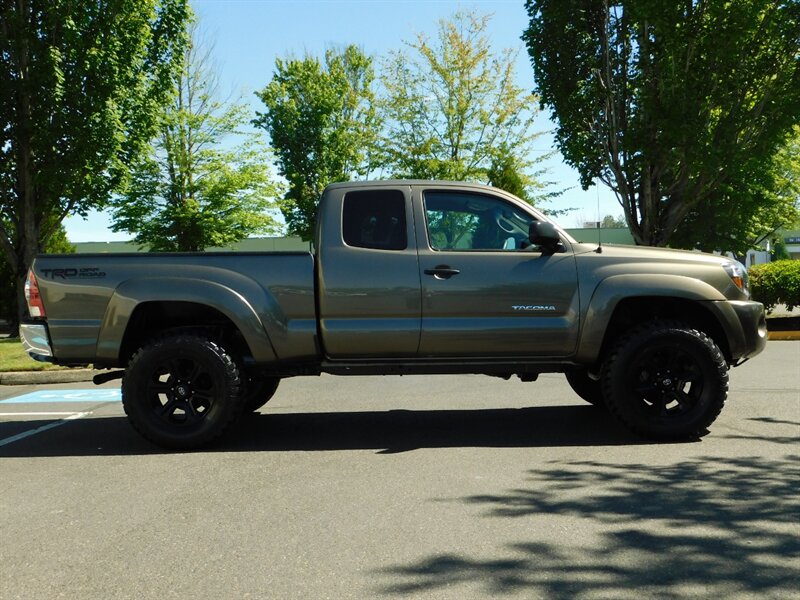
<point>753,322</point>
<point>36,341</point>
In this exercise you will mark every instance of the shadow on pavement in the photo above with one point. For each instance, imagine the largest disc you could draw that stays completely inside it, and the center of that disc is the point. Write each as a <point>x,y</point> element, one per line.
<point>384,431</point>
<point>709,527</point>
<point>771,438</point>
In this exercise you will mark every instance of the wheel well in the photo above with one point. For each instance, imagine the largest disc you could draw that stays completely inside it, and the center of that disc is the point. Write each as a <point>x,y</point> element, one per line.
<point>152,319</point>
<point>632,311</point>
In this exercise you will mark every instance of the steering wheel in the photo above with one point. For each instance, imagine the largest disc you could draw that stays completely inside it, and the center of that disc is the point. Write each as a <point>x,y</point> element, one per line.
<point>503,223</point>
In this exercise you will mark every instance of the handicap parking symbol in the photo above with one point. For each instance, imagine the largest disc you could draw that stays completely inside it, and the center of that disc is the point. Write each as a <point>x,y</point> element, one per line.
<point>99,395</point>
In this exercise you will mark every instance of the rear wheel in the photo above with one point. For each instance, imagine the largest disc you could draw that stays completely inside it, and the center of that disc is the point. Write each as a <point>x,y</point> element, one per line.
<point>666,380</point>
<point>587,388</point>
<point>258,392</point>
<point>182,391</point>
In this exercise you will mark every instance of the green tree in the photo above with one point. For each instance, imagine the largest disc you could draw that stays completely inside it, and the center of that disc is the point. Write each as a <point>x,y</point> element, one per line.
<point>9,310</point>
<point>673,105</point>
<point>322,121</point>
<point>779,251</point>
<point>507,172</point>
<point>750,208</point>
<point>454,111</point>
<point>80,85</point>
<point>612,222</point>
<point>188,193</point>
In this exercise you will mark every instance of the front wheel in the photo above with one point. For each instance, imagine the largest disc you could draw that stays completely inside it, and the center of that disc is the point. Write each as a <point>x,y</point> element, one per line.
<point>666,380</point>
<point>182,391</point>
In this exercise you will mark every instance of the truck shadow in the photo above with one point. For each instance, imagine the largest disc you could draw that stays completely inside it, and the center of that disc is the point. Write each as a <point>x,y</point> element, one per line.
<point>385,432</point>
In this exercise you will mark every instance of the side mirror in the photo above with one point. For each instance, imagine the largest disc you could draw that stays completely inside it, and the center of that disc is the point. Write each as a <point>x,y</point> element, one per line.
<point>544,234</point>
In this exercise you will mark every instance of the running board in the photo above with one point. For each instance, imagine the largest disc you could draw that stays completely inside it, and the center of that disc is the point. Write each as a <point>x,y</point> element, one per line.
<point>526,370</point>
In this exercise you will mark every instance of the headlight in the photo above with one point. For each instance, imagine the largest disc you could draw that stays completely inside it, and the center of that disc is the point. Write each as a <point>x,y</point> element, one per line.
<point>738,275</point>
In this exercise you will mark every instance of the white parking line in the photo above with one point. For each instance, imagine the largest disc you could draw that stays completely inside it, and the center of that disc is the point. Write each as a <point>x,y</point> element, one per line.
<point>30,432</point>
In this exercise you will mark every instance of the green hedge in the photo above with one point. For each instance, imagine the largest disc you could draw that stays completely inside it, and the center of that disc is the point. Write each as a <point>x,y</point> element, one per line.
<point>776,283</point>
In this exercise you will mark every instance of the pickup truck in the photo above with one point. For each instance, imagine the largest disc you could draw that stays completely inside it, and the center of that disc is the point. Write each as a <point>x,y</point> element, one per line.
<point>405,277</point>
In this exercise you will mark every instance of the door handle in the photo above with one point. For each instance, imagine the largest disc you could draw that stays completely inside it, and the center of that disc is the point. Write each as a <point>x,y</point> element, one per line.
<point>442,272</point>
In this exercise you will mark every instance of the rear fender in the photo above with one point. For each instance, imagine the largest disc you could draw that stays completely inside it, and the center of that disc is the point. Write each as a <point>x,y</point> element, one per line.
<point>231,303</point>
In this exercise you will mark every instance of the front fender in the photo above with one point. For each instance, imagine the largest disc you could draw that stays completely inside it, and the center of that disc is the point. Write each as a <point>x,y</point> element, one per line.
<point>616,288</point>
<point>129,294</point>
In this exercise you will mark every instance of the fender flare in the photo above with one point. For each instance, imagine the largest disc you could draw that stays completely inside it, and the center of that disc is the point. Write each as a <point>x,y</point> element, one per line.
<point>134,292</point>
<point>612,290</point>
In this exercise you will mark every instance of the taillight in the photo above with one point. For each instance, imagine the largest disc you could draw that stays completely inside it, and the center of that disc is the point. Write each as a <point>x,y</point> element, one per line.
<point>33,297</point>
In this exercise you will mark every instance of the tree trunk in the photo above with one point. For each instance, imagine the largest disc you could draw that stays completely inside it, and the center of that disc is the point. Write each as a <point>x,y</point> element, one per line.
<point>28,225</point>
<point>22,306</point>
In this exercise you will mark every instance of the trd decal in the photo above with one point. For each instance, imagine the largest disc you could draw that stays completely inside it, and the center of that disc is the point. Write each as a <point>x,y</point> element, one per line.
<point>71,273</point>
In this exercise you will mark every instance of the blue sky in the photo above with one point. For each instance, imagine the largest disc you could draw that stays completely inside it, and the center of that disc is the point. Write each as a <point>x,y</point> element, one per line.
<point>249,34</point>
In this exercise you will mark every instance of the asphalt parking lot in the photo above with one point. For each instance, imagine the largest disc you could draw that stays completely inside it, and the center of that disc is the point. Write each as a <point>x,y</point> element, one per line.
<point>413,487</point>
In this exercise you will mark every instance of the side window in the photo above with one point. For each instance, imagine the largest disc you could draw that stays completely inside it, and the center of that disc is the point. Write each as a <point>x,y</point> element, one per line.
<point>375,219</point>
<point>465,221</point>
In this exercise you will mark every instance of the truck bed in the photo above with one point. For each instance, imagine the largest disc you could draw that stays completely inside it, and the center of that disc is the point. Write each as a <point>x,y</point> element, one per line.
<point>91,298</point>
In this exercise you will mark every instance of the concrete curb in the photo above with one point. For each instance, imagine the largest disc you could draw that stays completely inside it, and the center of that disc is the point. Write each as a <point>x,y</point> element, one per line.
<point>786,336</point>
<point>40,377</point>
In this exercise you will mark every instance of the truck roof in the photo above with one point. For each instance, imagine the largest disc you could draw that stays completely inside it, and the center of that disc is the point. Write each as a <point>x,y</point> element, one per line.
<point>409,182</point>
<point>456,185</point>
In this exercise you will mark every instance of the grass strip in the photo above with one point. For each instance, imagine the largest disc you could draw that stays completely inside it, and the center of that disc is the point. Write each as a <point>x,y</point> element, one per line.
<point>14,358</point>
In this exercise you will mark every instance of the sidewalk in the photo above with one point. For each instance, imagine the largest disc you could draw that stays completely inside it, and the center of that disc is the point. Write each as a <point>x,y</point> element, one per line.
<point>44,377</point>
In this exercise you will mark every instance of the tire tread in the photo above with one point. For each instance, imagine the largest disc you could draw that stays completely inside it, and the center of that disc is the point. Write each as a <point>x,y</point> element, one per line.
<point>232,373</point>
<point>640,334</point>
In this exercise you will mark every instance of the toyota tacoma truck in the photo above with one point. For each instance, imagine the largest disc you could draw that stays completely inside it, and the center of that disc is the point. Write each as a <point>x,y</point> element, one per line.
<point>405,277</point>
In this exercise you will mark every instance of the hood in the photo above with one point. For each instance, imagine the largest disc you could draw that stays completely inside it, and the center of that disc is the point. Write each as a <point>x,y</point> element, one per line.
<point>652,254</point>
<point>720,272</point>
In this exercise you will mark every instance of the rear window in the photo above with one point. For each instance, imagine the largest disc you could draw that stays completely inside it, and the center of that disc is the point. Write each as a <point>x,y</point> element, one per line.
<point>375,219</point>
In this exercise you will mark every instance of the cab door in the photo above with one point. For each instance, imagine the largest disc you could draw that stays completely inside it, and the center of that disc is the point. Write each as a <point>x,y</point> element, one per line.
<point>368,274</point>
<point>484,293</point>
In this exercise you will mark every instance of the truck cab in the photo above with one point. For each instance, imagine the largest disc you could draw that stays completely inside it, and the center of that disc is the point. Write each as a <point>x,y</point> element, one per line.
<point>427,272</point>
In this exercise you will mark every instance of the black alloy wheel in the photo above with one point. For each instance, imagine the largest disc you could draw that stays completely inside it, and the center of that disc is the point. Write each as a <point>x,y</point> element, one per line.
<point>182,391</point>
<point>666,380</point>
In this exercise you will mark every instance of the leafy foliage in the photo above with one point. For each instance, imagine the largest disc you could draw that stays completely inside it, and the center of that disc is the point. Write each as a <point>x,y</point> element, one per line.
<point>776,283</point>
<point>678,107</point>
<point>323,124</point>
<point>612,222</point>
<point>454,111</point>
<point>188,193</point>
<point>451,229</point>
<point>750,207</point>
<point>509,170</point>
<point>80,86</point>
<point>779,251</point>
<point>9,311</point>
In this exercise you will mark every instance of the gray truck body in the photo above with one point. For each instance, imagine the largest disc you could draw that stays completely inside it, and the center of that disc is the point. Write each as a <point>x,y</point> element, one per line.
<point>406,277</point>
<point>371,304</point>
